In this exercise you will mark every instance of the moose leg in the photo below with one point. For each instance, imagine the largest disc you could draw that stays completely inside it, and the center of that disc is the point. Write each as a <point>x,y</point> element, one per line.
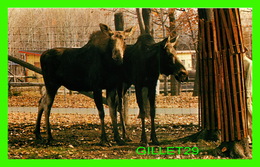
<point>112,103</point>
<point>121,110</point>
<point>146,102</point>
<point>50,95</point>
<point>122,120</point>
<point>39,116</point>
<point>151,95</point>
<point>99,104</point>
<point>139,98</point>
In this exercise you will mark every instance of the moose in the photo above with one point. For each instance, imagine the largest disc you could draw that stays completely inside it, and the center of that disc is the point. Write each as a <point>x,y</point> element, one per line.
<point>143,62</point>
<point>93,67</point>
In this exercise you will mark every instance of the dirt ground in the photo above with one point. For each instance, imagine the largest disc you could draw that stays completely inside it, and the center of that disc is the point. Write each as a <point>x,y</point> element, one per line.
<point>26,98</point>
<point>77,136</point>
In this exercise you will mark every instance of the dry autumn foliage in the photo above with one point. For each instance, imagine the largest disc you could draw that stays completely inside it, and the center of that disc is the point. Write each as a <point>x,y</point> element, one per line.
<point>30,99</point>
<point>77,137</point>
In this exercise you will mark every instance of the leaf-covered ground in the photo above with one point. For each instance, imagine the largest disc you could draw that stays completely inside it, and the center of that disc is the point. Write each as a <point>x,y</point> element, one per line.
<point>77,137</point>
<point>31,99</point>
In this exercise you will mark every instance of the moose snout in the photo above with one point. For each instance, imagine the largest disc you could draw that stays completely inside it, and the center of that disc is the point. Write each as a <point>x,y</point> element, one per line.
<point>117,56</point>
<point>182,76</point>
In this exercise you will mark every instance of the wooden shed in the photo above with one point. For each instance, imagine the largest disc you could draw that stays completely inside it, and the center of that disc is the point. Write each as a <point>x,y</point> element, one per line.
<point>187,57</point>
<point>32,57</point>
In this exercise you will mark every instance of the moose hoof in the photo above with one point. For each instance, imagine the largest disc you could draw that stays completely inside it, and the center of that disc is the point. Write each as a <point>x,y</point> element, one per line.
<point>37,135</point>
<point>155,143</point>
<point>120,142</point>
<point>39,141</point>
<point>127,139</point>
<point>144,143</point>
<point>49,141</point>
<point>105,143</point>
<point>154,140</point>
<point>38,138</point>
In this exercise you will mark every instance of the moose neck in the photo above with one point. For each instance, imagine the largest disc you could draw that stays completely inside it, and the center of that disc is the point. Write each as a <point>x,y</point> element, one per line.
<point>99,40</point>
<point>146,39</point>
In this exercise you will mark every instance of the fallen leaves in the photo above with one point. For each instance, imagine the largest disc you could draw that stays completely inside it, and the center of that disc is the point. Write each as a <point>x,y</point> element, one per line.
<point>29,99</point>
<point>71,146</point>
<point>224,149</point>
<point>77,137</point>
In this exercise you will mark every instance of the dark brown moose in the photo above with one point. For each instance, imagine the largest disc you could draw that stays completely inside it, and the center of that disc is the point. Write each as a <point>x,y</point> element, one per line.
<point>93,67</point>
<point>143,63</point>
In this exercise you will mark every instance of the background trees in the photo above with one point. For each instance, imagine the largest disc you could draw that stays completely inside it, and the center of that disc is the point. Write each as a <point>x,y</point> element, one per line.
<point>44,28</point>
<point>39,28</point>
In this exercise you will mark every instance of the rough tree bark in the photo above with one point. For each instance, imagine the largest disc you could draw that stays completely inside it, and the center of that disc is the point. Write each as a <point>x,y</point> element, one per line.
<point>222,94</point>
<point>146,13</point>
<point>140,21</point>
<point>206,134</point>
<point>119,21</point>
<point>196,82</point>
<point>206,14</point>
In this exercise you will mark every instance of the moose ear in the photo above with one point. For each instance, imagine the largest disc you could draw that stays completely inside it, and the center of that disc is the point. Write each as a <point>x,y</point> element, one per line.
<point>105,29</point>
<point>174,40</point>
<point>128,32</point>
<point>165,41</point>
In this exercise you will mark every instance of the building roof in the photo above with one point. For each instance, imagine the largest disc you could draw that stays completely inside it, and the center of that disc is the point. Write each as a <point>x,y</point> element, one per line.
<point>32,52</point>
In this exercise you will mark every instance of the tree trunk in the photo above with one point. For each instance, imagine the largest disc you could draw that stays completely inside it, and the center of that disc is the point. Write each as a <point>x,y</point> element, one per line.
<point>172,22</point>
<point>196,82</point>
<point>222,102</point>
<point>125,108</point>
<point>146,13</point>
<point>119,21</point>
<point>165,78</point>
<point>175,85</point>
<point>140,21</point>
<point>165,84</point>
